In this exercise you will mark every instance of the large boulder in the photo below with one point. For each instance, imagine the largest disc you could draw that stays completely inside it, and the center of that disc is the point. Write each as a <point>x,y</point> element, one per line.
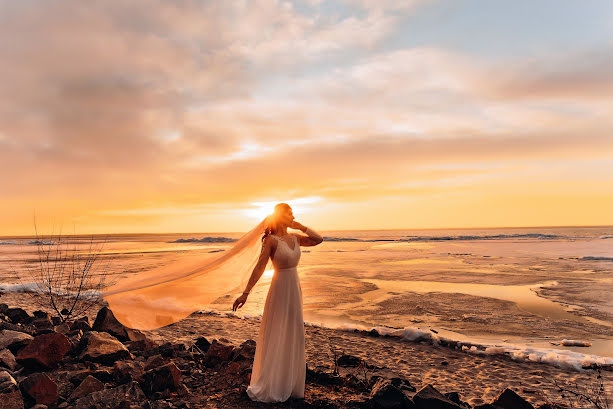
<point>161,378</point>
<point>103,347</point>
<point>14,340</point>
<point>115,398</point>
<point>429,398</point>
<point>10,396</point>
<point>384,395</point>
<point>88,385</point>
<point>508,399</point>
<point>106,322</point>
<point>7,359</point>
<point>45,351</point>
<point>40,388</point>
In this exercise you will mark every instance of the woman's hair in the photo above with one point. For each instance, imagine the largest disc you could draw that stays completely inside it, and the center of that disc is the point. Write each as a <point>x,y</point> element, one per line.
<point>271,228</point>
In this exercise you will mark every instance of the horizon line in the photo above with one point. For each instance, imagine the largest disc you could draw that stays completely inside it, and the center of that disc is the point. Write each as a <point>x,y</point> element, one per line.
<point>332,230</point>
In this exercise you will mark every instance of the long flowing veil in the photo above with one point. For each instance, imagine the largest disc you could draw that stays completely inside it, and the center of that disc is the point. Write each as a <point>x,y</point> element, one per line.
<point>167,294</point>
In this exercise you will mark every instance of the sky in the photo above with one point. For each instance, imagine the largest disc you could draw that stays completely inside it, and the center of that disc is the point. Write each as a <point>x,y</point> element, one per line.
<point>199,116</point>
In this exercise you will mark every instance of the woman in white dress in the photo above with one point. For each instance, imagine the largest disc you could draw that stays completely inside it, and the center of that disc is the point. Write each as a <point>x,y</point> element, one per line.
<point>279,366</point>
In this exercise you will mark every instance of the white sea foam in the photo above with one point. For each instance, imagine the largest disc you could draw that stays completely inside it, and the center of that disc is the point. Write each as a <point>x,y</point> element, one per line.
<point>34,287</point>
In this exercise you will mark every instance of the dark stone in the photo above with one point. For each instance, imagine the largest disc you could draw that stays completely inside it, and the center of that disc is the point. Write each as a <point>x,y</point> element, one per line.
<point>106,322</point>
<point>203,344</point>
<point>56,320</point>
<point>4,308</point>
<point>455,398</point>
<point>141,346</point>
<point>40,388</point>
<point>7,382</point>
<point>348,360</point>
<point>508,399</point>
<point>120,397</point>
<point>88,385</point>
<point>403,384</point>
<point>126,371</point>
<point>14,340</point>
<point>81,324</point>
<point>41,314</point>
<point>384,395</point>
<point>7,359</point>
<point>154,361</point>
<point>18,316</point>
<point>373,333</point>
<point>161,378</point>
<point>45,351</point>
<point>245,352</point>
<point>219,351</point>
<point>168,350</point>
<point>102,347</point>
<point>64,311</point>
<point>429,398</point>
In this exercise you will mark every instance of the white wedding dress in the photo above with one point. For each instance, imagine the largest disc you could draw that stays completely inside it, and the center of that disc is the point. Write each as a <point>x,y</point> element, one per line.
<point>279,366</point>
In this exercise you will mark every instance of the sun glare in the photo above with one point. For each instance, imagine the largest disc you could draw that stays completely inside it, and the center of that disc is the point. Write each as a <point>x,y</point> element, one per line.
<point>300,206</point>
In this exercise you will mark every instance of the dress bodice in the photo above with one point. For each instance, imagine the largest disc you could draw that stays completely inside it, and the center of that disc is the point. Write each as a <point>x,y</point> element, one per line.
<point>285,256</point>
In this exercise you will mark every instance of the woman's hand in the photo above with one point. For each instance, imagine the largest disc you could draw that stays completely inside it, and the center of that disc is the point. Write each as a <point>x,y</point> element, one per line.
<point>298,226</point>
<point>240,301</point>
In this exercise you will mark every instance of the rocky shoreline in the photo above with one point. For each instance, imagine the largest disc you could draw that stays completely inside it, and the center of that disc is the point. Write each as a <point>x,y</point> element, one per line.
<point>81,365</point>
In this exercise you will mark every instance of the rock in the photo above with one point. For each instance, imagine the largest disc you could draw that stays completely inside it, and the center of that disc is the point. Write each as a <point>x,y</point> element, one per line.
<point>106,322</point>
<point>104,348</point>
<point>245,352</point>
<point>348,360</point>
<point>485,406</point>
<point>219,351</point>
<point>40,388</point>
<point>14,340</point>
<point>168,350</point>
<point>42,323</point>
<point>4,308</point>
<point>141,345</point>
<point>7,382</point>
<point>508,399</point>
<point>164,377</point>
<point>402,384</point>
<point>82,324</point>
<point>455,398</point>
<point>126,371</point>
<point>114,398</point>
<point>18,316</point>
<point>39,406</point>
<point>384,395</point>
<point>203,344</point>
<point>7,359</point>
<point>11,400</point>
<point>88,385</point>
<point>45,351</point>
<point>41,314</point>
<point>429,398</point>
<point>62,328</point>
<point>154,361</point>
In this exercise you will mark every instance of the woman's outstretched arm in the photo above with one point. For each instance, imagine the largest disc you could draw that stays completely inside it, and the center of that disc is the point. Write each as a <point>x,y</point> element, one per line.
<point>258,270</point>
<point>312,239</point>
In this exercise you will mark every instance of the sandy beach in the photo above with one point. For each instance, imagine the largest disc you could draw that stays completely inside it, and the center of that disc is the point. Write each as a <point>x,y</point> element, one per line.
<point>477,378</point>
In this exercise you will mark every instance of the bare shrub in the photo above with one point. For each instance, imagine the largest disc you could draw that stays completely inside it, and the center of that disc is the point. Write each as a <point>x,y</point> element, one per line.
<point>64,278</point>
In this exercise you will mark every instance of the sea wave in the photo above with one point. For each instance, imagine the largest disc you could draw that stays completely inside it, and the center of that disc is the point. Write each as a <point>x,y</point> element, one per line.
<point>561,358</point>
<point>205,240</point>
<point>540,236</point>
<point>596,258</point>
<point>34,287</point>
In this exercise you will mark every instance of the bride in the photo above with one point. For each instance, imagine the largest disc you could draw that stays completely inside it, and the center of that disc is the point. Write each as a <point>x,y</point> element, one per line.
<point>279,366</point>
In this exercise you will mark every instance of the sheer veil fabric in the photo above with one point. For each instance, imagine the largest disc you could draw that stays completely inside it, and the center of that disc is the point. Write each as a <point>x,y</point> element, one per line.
<point>168,294</point>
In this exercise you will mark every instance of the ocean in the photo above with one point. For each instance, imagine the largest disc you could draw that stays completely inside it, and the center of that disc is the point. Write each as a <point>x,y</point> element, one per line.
<point>533,293</point>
